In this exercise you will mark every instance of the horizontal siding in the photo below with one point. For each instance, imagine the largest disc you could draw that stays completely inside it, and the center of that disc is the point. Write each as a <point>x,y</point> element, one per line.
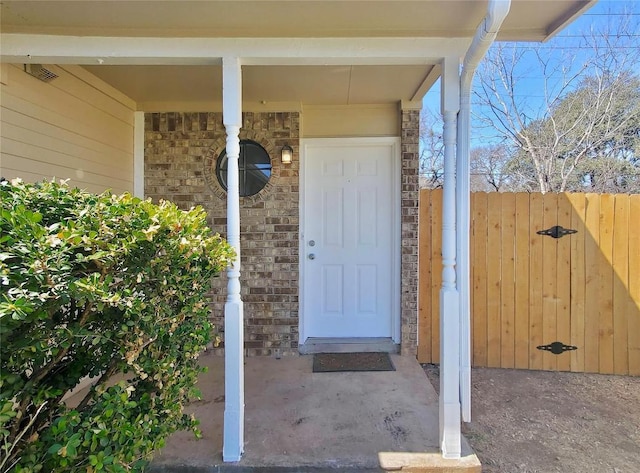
<point>350,120</point>
<point>89,180</point>
<point>96,93</point>
<point>72,128</point>
<point>63,106</point>
<point>23,156</point>
<point>117,166</point>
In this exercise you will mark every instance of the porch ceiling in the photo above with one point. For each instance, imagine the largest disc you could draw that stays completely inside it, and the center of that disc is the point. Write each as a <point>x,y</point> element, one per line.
<point>150,86</point>
<point>529,20</point>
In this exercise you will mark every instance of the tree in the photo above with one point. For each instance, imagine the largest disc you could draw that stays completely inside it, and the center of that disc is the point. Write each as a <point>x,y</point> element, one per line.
<point>489,168</point>
<point>431,150</point>
<point>587,143</point>
<point>583,114</point>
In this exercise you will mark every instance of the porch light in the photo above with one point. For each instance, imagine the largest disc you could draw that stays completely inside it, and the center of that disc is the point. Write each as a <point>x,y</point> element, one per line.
<point>286,154</point>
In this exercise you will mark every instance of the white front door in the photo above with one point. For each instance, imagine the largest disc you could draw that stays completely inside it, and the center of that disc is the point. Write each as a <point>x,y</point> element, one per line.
<point>349,232</point>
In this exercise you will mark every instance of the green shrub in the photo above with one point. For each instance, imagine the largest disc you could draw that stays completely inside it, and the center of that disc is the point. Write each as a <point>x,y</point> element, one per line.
<point>98,285</point>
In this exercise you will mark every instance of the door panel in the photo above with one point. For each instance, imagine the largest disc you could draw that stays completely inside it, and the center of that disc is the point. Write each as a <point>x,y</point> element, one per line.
<point>347,240</point>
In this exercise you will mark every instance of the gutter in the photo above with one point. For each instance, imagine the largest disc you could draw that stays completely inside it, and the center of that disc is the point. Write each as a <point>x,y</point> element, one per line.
<point>486,33</point>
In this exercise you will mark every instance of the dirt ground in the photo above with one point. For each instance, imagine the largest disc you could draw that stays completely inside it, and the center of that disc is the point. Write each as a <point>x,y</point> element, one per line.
<point>544,422</point>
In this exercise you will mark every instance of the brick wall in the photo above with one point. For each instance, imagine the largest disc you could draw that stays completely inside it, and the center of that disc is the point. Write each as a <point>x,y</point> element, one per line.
<point>181,150</point>
<point>410,134</point>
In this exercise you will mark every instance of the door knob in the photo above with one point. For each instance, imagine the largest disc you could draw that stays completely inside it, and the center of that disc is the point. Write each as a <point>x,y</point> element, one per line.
<point>312,256</point>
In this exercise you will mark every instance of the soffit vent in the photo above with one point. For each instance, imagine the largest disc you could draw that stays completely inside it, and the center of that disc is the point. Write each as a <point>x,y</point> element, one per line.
<point>40,72</point>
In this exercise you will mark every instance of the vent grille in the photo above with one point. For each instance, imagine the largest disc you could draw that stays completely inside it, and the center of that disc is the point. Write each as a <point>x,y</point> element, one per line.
<point>40,72</point>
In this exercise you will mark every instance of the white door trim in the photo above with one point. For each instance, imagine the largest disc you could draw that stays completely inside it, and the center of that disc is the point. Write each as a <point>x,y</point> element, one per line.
<point>395,177</point>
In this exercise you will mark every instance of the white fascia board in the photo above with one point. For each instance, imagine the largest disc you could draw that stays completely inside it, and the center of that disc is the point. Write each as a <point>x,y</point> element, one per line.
<point>51,49</point>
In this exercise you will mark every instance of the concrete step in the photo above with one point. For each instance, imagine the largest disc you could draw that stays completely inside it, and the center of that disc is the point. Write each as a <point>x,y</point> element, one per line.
<point>348,345</point>
<point>403,462</point>
<point>261,469</point>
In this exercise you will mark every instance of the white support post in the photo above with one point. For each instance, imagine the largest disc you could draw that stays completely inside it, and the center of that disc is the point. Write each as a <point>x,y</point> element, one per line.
<point>449,302</point>
<point>233,441</point>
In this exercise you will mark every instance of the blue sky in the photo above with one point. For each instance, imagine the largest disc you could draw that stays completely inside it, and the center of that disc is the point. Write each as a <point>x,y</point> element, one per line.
<point>564,48</point>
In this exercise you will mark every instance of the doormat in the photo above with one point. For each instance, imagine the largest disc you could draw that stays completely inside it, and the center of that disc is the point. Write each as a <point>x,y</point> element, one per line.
<point>332,362</point>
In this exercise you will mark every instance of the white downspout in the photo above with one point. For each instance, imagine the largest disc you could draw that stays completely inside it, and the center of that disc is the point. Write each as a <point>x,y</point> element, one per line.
<point>486,33</point>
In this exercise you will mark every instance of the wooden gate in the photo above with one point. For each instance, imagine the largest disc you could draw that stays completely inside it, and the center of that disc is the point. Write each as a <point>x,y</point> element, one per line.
<point>533,295</point>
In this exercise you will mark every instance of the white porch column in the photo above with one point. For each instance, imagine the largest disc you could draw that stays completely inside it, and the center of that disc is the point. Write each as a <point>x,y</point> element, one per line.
<point>233,441</point>
<point>449,300</point>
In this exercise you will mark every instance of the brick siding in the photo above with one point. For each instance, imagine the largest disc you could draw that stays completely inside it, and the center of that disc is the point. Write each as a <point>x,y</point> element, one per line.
<point>410,135</point>
<point>181,150</point>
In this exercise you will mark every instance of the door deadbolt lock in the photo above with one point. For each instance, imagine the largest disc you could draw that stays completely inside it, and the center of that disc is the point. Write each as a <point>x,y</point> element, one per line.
<point>312,243</point>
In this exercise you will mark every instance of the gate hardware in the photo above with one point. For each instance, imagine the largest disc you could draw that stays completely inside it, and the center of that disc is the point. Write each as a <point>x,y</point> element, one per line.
<point>557,232</point>
<point>556,348</point>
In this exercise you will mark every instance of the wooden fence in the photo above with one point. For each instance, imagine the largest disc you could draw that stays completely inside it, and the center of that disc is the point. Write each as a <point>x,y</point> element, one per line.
<point>530,290</point>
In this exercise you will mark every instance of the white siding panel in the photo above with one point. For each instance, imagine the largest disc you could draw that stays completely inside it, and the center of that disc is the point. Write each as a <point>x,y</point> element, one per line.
<point>12,120</point>
<point>74,127</point>
<point>76,156</point>
<point>70,97</point>
<point>68,115</point>
<point>77,177</point>
<point>89,94</point>
<point>42,155</point>
<point>24,175</point>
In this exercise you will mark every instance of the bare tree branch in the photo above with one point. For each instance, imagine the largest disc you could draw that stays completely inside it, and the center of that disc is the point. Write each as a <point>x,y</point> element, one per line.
<point>559,114</point>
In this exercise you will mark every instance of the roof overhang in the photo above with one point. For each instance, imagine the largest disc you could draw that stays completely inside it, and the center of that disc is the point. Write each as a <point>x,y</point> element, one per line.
<point>528,20</point>
<point>320,52</point>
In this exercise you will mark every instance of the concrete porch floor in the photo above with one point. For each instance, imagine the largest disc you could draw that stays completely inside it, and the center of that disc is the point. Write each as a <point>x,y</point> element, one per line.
<point>297,420</point>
